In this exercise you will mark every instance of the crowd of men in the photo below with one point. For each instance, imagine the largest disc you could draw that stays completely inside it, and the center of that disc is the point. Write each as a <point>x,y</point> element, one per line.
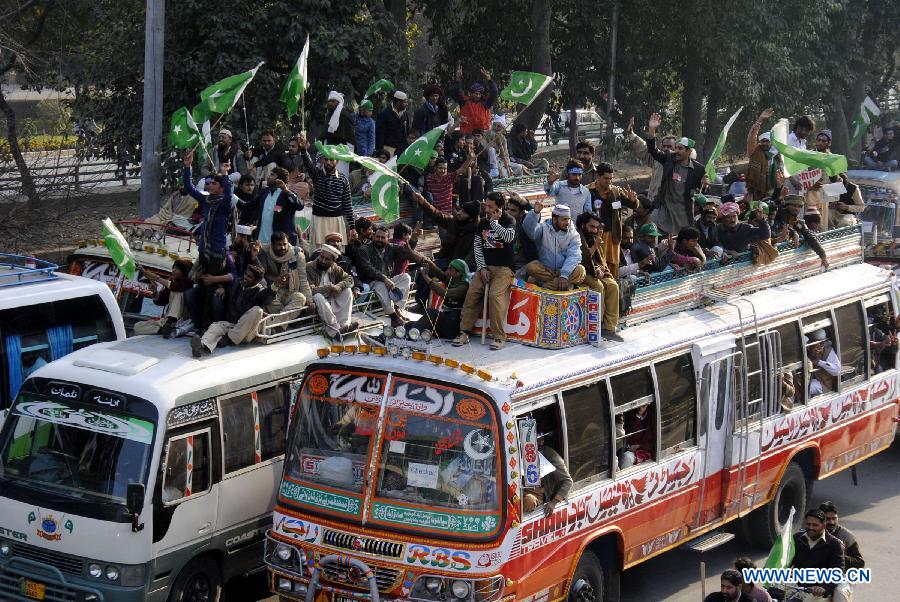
<point>255,261</point>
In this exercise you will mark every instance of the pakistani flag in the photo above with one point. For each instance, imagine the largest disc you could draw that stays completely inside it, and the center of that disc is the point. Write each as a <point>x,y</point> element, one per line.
<point>525,86</point>
<point>295,85</point>
<point>118,248</point>
<point>720,144</point>
<point>782,552</point>
<point>831,163</point>
<point>222,95</point>
<point>868,111</point>
<point>418,153</point>
<point>377,166</point>
<point>303,218</point>
<point>183,131</point>
<point>382,85</point>
<point>385,193</point>
<point>338,152</point>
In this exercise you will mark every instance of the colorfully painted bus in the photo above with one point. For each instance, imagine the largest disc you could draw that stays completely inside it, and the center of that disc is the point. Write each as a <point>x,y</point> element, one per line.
<point>408,467</point>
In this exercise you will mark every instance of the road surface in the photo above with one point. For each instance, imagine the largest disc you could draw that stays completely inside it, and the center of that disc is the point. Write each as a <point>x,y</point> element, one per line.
<point>869,510</point>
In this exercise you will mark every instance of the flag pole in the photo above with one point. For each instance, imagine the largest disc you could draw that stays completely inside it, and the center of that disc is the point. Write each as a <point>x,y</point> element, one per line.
<point>303,111</point>
<point>246,127</point>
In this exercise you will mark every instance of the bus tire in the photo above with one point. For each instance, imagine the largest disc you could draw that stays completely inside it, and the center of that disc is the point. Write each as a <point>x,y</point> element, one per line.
<point>199,581</point>
<point>588,581</point>
<point>766,522</point>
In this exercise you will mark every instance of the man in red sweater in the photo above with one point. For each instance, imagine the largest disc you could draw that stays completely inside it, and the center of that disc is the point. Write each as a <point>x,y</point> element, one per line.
<point>475,109</point>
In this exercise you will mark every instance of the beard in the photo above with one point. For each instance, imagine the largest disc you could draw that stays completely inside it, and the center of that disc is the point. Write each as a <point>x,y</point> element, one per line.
<point>625,245</point>
<point>323,267</point>
<point>379,244</point>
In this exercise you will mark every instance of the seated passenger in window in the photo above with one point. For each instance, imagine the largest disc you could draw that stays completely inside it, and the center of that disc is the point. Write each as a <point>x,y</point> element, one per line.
<point>882,339</point>
<point>176,472</point>
<point>555,480</point>
<point>640,430</point>
<point>787,391</point>
<point>825,364</point>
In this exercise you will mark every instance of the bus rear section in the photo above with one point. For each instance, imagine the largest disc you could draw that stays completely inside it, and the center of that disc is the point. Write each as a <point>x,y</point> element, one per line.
<point>45,315</point>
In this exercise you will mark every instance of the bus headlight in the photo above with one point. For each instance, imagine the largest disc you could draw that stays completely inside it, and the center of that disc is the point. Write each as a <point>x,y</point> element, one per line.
<point>112,573</point>
<point>433,584</point>
<point>413,334</point>
<point>95,571</point>
<point>460,589</point>
<point>5,549</point>
<point>284,553</point>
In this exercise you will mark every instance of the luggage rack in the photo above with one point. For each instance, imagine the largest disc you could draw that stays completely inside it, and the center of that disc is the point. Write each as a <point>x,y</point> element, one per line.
<point>16,270</point>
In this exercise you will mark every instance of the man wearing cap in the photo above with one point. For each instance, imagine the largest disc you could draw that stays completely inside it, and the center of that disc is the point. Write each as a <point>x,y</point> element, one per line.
<point>507,169</point>
<point>765,173</point>
<point>735,236</point>
<point>285,272</point>
<point>682,177</point>
<point>558,266</point>
<point>336,241</point>
<point>432,113</point>
<point>228,151</point>
<point>643,251</point>
<point>598,276</point>
<point>607,201</point>
<point>708,228</point>
<point>446,295</point>
<point>332,210</point>
<point>392,126</point>
<point>824,373</point>
<point>788,224</point>
<point>639,148</point>
<point>340,128</point>
<point>365,130</point>
<point>332,293</point>
<point>570,191</point>
<point>474,108</point>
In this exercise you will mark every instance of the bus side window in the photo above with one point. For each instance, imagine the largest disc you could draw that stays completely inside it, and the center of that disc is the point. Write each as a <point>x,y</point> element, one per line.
<point>239,425</point>
<point>823,364</point>
<point>792,358</point>
<point>237,431</point>
<point>587,430</point>
<point>635,411</point>
<point>187,467</point>
<point>882,335</point>
<point>677,404</point>
<point>852,343</point>
<point>273,420</point>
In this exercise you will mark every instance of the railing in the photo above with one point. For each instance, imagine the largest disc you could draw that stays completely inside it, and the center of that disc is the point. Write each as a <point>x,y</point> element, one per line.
<point>16,270</point>
<point>61,173</point>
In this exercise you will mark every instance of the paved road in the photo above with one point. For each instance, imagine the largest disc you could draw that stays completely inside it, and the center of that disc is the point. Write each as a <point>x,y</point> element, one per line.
<point>869,510</point>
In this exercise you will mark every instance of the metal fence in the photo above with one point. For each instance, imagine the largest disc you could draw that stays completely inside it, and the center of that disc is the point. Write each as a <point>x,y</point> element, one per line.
<point>62,171</point>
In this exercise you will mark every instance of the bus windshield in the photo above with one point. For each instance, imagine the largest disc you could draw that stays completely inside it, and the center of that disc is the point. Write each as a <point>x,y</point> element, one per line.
<point>87,454</point>
<point>432,451</point>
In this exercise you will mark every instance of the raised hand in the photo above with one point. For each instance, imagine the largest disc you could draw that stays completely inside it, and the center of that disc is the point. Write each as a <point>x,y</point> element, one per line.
<point>459,72</point>
<point>485,73</point>
<point>655,121</point>
<point>766,114</point>
<point>537,206</point>
<point>629,129</point>
<point>189,158</point>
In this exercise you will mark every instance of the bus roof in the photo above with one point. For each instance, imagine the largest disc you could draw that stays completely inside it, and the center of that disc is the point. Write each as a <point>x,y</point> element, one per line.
<point>539,369</point>
<point>61,286</point>
<point>164,372</point>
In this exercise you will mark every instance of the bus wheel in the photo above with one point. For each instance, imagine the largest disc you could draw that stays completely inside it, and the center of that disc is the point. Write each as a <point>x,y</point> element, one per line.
<point>587,582</point>
<point>199,581</point>
<point>766,522</point>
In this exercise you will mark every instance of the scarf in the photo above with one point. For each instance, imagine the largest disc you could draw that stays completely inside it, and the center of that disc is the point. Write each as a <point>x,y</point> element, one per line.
<point>432,108</point>
<point>282,263</point>
<point>335,118</point>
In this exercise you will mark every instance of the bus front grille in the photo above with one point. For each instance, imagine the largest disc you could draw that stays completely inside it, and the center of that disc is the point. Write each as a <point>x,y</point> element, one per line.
<point>67,564</point>
<point>386,578</point>
<point>362,545</point>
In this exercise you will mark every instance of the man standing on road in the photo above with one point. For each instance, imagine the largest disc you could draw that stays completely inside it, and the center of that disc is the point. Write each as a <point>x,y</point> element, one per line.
<point>853,558</point>
<point>731,589</point>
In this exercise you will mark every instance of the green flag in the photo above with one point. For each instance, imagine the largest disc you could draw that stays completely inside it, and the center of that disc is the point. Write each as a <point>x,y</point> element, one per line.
<point>868,111</point>
<point>338,152</point>
<point>832,164</point>
<point>525,86</point>
<point>782,552</point>
<point>222,95</point>
<point>419,152</point>
<point>720,144</point>
<point>385,194</point>
<point>118,248</point>
<point>382,85</point>
<point>377,166</point>
<point>183,131</point>
<point>296,82</point>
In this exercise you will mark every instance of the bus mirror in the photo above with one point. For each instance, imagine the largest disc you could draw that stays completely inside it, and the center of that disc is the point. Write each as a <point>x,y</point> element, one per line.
<point>134,502</point>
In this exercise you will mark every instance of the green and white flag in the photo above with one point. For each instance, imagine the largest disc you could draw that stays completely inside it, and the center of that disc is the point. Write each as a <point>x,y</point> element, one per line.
<point>720,144</point>
<point>868,112</point>
<point>385,194</point>
<point>525,86</point>
<point>118,248</point>
<point>222,95</point>
<point>782,552</point>
<point>296,82</point>
<point>418,154</point>
<point>382,85</point>
<point>303,218</point>
<point>338,152</point>
<point>183,131</point>
<point>831,163</point>
<point>377,166</point>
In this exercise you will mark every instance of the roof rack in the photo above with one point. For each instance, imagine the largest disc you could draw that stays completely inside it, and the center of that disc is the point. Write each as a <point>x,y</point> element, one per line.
<point>16,270</point>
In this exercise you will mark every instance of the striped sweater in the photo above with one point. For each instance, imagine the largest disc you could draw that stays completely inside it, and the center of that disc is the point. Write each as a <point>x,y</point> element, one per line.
<point>331,192</point>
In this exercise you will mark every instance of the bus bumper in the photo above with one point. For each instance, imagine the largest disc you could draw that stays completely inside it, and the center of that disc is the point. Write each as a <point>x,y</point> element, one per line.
<point>26,580</point>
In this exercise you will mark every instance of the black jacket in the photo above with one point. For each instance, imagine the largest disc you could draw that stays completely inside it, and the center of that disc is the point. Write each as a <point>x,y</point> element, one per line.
<point>708,239</point>
<point>828,554</point>
<point>379,265</point>
<point>286,205</point>
<point>424,120</point>
<point>391,129</point>
<point>346,129</point>
<point>241,299</point>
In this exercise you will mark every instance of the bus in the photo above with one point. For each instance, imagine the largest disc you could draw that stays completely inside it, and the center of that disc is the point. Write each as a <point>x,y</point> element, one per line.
<point>132,471</point>
<point>45,315</point>
<point>409,468</point>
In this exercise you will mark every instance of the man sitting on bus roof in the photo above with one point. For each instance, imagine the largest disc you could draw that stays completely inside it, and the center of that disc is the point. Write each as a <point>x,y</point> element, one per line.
<point>598,276</point>
<point>789,224</point>
<point>447,293</point>
<point>555,484</point>
<point>169,294</point>
<point>735,236</point>
<point>332,293</point>
<point>558,266</point>
<point>285,267</point>
<point>246,301</point>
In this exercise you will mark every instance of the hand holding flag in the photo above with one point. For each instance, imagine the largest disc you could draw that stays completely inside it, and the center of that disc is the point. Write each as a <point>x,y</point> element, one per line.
<point>183,131</point>
<point>119,250</point>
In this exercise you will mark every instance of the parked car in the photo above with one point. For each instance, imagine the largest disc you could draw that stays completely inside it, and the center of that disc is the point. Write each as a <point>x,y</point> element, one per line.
<point>591,126</point>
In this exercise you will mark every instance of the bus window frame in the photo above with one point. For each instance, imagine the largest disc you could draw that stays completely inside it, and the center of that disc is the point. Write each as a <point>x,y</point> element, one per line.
<point>869,302</point>
<point>866,375</point>
<point>823,323</point>
<point>207,430</point>
<point>607,474</point>
<point>681,447</point>
<point>615,470</point>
